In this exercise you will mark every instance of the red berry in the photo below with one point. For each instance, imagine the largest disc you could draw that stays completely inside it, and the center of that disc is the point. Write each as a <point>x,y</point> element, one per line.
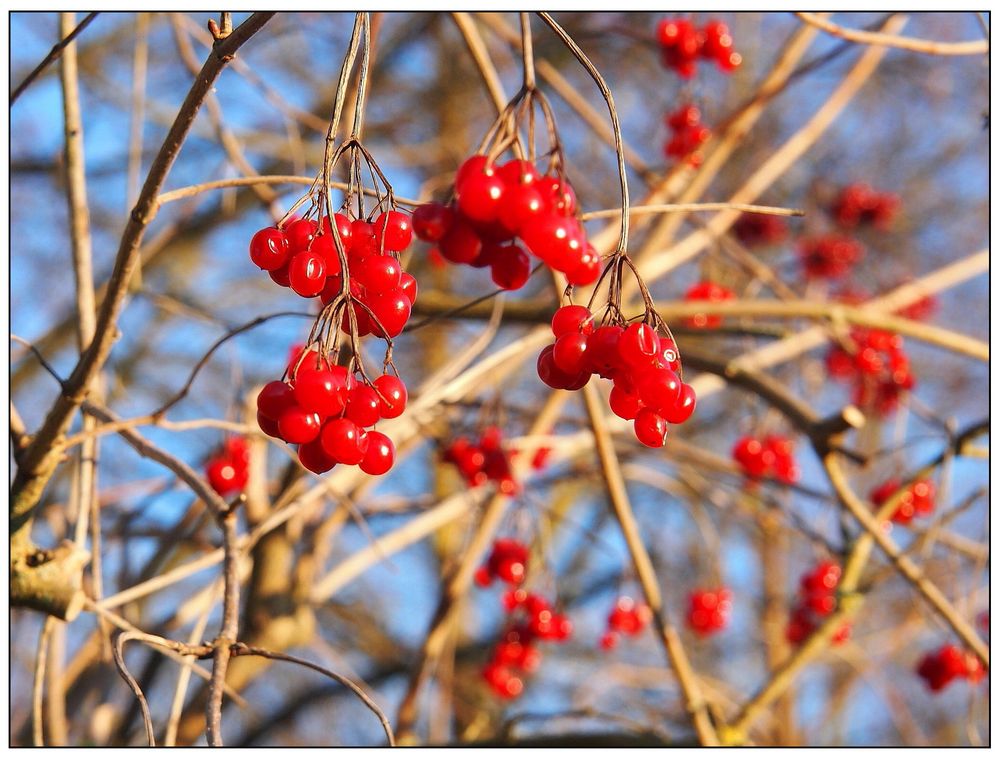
<point>572,319</point>
<point>314,457</point>
<point>658,388</point>
<point>392,395</point>
<point>269,248</point>
<point>344,441</point>
<point>570,353</point>
<point>380,454</point>
<point>298,426</point>
<point>379,273</point>
<point>300,234</point>
<point>223,477</point>
<point>268,425</point>
<point>625,405</point>
<point>461,244</point>
<point>392,310</point>
<point>650,428</point>
<point>363,406</point>
<point>511,267</point>
<point>683,409</point>
<point>397,230</point>
<point>307,274</point>
<point>274,398</point>
<point>432,221</point>
<point>480,196</point>
<point>639,345</point>
<point>323,391</point>
<point>408,286</point>
<point>280,275</point>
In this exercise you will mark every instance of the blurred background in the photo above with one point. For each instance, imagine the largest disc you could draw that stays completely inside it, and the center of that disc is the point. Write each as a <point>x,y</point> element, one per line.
<point>917,128</point>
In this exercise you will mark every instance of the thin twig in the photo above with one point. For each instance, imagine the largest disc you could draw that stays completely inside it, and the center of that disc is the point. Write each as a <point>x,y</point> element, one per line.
<point>930,47</point>
<point>53,54</point>
<point>119,656</point>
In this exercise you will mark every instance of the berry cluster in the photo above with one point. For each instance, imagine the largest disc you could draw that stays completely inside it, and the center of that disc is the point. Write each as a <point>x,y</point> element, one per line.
<point>688,134</point>
<point>757,229</point>
<point>941,667</point>
<point>484,461</point>
<point>682,45</point>
<point>508,561</point>
<point>708,610</point>
<point>817,599</point>
<point>304,257</point>
<point>878,367</point>
<point>707,291</point>
<point>830,256</point>
<point>496,205</point>
<point>326,410</point>
<point>917,500</point>
<point>227,469</point>
<point>858,204</point>
<point>642,365</point>
<point>533,619</point>
<point>772,456</point>
<point>627,618</point>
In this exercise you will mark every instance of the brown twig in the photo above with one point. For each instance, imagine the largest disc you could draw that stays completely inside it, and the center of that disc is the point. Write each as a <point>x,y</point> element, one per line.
<point>930,47</point>
<point>53,54</point>
<point>119,656</point>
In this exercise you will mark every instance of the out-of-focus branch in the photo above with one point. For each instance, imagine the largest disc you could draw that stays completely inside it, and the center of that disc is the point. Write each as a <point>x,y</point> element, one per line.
<point>52,56</point>
<point>913,44</point>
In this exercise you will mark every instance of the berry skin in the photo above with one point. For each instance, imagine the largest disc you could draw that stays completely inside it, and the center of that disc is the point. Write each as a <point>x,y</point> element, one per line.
<point>639,345</point>
<point>474,165</point>
<point>269,249</point>
<point>307,274</point>
<point>408,286</point>
<point>683,409</point>
<point>625,405</point>
<point>379,274</point>
<point>461,244</point>
<point>480,197</point>
<point>274,398</point>
<point>363,405</point>
<point>432,221</point>
<point>522,205</point>
<point>397,230</point>
<point>323,392</point>
<point>280,275</point>
<point>658,388</point>
<point>314,458</point>
<point>224,477</point>
<point>392,395</point>
<point>268,425</point>
<point>392,309</point>
<point>569,352</point>
<point>511,267</point>
<point>300,234</point>
<point>344,441</point>
<point>572,319</point>
<point>380,455</point>
<point>650,428</point>
<point>298,426</point>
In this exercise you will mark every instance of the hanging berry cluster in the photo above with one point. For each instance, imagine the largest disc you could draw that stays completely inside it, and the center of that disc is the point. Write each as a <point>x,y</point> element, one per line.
<point>948,663</point>
<point>627,618</point>
<point>228,467</point>
<point>486,460</point>
<point>709,610</point>
<point>501,213</point>
<point>831,256</point>
<point>859,205</point>
<point>875,362</point>
<point>759,229</point>
<point>682,44</point>
<point>349,258</point>
<point>532,619</point>
<point>915,501</point>
<point>706,291</point>
<point>772,456</point>
<point>817,599</point>
<point>688,134</point>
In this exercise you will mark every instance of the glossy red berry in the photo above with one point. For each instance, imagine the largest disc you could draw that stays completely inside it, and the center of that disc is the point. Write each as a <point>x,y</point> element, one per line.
<point>269,248</point>
<point>307,274</point>
<point>300,234</point>
<point>510,266</point>
<point>572,319</point>
<point>392,395</point>
<point>432,221</point>
<point>322,391</point>
<point>396,228</point>
<point>392,311</point>
<point>379,273</point>
<point>314,457</point>
<point>650,428</point>
<point>480,196</point>
<point>274,399</point>
<point>298,426</point>
<point>380,454</point>
<point>363,406</point>
<point>344,441</point>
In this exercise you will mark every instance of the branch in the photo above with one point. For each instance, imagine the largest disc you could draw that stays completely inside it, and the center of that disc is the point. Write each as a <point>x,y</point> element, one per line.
<point>930,47</point>
<point>42,456</point>
<point>54,54</point>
